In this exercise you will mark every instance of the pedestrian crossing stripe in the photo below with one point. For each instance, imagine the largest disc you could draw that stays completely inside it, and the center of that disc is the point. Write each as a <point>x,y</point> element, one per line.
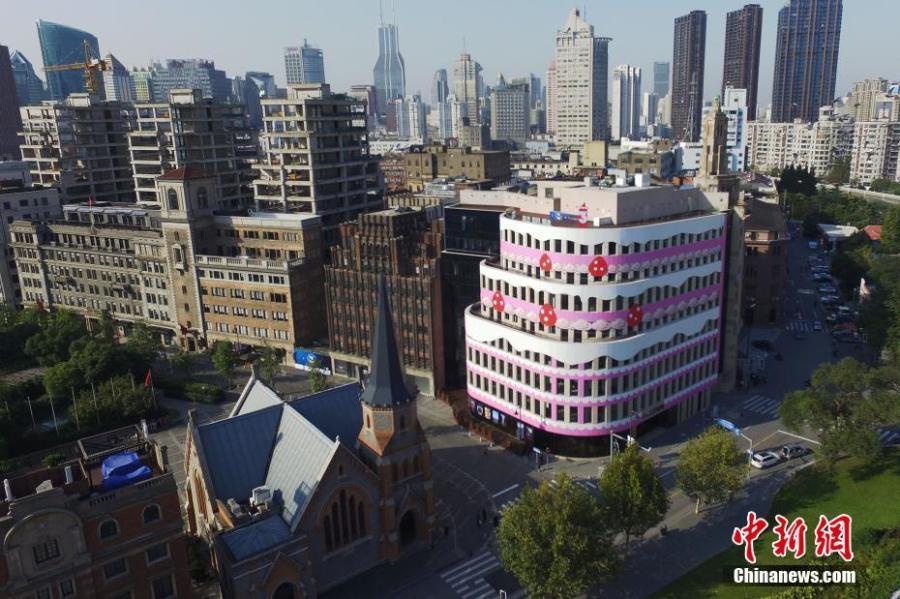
<point>800,326</point>
<point>467,579</point>
<point>761,405</point>
<point>888,436</point>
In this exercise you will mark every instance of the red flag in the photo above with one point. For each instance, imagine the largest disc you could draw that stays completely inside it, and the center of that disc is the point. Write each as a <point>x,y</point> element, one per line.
<point>148,380</point>
<point>90,201</point>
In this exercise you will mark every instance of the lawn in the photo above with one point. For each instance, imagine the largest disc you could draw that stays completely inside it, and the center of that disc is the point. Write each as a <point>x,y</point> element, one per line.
<point>868,494</point>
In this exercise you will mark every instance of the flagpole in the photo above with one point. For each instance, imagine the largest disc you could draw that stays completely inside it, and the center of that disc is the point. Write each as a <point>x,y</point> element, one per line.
<point>75,409</point>
<point>33,425</point>
<point>53,411</point>
<point>96,407</point>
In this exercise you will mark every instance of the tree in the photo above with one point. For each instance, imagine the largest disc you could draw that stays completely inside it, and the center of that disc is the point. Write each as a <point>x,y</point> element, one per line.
<point>224,360</point>
<point>890,230</point>
<point>61,378</point>
<point>633,497</point>
<point>182,361</point>
<point>50,344</point>
<point>143,343</point>
<point>555,540</point>
<point>317,379</point>
<point>711,467</point>
<point>269,363</point>
<point>847,402</point>
<point>839,173</point>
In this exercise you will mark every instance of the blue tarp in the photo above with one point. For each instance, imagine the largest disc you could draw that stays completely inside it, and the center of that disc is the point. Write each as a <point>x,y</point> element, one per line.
<point>123,469</point>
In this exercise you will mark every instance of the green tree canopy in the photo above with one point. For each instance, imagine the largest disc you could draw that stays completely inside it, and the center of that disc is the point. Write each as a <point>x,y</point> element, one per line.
<point>847,402</point>
<point>317,379</point>
<point>223,359</point>
<point>633,497</point>
<point>57,330</point>
<point>555,540</point>
<point>269,363</point>
<point>711,467</point>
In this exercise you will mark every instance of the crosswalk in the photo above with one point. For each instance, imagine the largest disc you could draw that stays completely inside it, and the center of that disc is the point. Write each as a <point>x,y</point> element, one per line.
<point>585,483</point>
<point>799,325</point>
<point>888,436</point>
<point>761,405</point>
<point>467,579</point>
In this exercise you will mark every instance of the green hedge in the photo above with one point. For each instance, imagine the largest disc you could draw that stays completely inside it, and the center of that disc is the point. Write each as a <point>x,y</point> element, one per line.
<point>202,392</point>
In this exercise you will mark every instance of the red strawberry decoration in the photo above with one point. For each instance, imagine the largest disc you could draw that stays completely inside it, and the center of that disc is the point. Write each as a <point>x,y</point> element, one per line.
<point>547,315</point>
<point>498,302</point>
<point>598,267</point>
<point>546,263</point>
<point>635,316</point>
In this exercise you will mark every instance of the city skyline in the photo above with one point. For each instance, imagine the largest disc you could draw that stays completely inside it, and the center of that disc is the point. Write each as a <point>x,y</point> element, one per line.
<point>351,62</point>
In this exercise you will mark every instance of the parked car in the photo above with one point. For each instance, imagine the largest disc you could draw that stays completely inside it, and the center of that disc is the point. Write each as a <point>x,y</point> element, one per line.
<point>827,289</point>
<point>763,344</point>
<point>793,450</point>
<point>829,299</point>
<point>821,278</point>
<point>831,317</point>
<point>817,326</point>
<point>764,459</point>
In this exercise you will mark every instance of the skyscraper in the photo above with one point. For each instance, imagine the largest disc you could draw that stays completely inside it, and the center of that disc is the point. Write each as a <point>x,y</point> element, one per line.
<point>304,64</point>
<point>191,74</point>
<point>440,90</point>
<point>626,101</point>
<point>550,98</point>
<point>467,85</point>
<point>29,87</point>
<point>688,58</point>
<point>10,121</point>
<point>117,83</point>
<point>806,56</point>
<point>64,45</point>
<point>582,70</point>
<point>510,103</point>
<point>743,30</point>
<point>660,79</point>
<point>390,70</point>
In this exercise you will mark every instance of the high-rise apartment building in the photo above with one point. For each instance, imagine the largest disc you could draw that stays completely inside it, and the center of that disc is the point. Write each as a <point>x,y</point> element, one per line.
<point>410,114</point>
<point>876,145</point>
<point>117,83</point>
<point>190,74</point>
<point>550,98</point>
<point>142,79</point>
<point>29,87</point>
<point>316,157</point>
<point>10,120</point>
<point>81,146</point>
<point>611,326</point>
<point>806,57</point>
<point>510,112</point>
<point>96,525</point>
<point>189,273</point>
<point>649,109</point>
<point>366,93</point>
<point>390,70</point>
<point>20,200</point>
<point>688,59</point>
<point>304,64</point>
<point>467,86</point>
<point>734,107</point>
<point>812,145</point>
<point>765,263</point>
<point>403,247</point>
<point>582,71</point>
<point>440,87</point>
<point>860,102</point>
<point>743,31</point>
<point>190,130</point>
<point>626,102</point>
<point>661,79</point>
<point>61,45</point>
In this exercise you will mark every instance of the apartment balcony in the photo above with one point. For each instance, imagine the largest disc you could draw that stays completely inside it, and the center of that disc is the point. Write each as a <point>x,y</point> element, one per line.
<point>245,263</point>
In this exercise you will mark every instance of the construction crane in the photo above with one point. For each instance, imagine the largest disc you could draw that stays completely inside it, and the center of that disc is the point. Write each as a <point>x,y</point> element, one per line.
<point>91,66</point>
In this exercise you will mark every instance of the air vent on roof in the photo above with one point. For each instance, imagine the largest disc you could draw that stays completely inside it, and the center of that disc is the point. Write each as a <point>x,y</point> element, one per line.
<point>261,498</point>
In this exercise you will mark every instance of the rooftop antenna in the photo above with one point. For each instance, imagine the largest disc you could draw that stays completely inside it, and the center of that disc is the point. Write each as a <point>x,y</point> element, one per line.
<point>464,45</point>
<point>394,12</point>
<point>381,12</point>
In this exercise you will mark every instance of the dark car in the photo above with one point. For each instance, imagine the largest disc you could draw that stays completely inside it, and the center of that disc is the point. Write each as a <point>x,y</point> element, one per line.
<point>793,450</point>
<point>763,344</point>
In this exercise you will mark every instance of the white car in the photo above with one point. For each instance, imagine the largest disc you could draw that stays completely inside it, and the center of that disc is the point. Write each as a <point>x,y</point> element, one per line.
<point>764,459</point>
<point>817,326</point>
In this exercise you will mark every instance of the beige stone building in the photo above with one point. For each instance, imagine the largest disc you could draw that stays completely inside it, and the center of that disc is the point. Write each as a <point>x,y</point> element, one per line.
<point>426,163</point>
<point>196,276</point>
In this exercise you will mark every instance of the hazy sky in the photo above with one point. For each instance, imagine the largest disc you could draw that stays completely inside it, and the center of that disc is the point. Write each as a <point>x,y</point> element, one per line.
<point>515,37</point>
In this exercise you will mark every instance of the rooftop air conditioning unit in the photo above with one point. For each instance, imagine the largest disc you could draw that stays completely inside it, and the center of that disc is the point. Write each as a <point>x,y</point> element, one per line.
<point>261,498</point>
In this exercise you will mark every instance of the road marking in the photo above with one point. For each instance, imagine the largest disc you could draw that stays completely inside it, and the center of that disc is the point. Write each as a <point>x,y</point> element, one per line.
<point>467,579</point>
<point>506,490</point>
<point>798,437</point>
<point>887,436</point>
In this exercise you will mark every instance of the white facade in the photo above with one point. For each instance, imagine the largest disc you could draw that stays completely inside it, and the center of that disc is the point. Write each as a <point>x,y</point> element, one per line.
<point>551,98</point>
<point>813,145</point>
<point>875,148</point>
<point>586,330</point>
<point>411,118</point>
<point>458,111</point>
<point>582,70</point>
<point>649,107</point>
<point>734,105</point>
<point>626,102</point>
<point>467,86</point>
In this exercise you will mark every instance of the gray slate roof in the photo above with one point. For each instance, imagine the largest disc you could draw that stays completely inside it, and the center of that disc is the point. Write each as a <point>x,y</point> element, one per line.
<point>246,541</point>
<point>335,412</point>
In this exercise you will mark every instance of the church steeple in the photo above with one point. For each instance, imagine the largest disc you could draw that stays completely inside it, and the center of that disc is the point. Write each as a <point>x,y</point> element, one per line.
<point>386,386</point>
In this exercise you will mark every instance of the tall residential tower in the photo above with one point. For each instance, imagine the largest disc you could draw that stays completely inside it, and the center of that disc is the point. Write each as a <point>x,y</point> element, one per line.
<point>304,64</point>
<point>743,30</point>
<point>626,101</point>
<point>688,58</point>
<point>390,70</point>
<point>806,56</point>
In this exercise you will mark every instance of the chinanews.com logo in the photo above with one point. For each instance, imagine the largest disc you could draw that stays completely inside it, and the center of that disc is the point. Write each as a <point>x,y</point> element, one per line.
<point>831,537</point>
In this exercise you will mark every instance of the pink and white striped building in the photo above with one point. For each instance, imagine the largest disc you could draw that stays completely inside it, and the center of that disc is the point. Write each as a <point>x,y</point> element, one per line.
<point>602,312</point>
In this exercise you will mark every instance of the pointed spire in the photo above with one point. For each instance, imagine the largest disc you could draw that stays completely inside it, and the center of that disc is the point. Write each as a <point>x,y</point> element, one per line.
<point>386,386</point>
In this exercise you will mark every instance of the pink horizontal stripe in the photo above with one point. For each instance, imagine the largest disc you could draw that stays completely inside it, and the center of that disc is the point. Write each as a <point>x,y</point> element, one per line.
<point>507,247</point>
<point>541,370</point>
<point>600,428</point>
<point>572,315</point>
<point>619,398</point>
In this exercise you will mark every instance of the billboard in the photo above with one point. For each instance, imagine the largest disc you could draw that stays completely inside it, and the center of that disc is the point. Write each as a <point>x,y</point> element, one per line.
<point>304,357</point>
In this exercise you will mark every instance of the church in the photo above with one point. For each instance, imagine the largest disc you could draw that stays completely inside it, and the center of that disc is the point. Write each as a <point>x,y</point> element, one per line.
<point>297,496</point>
